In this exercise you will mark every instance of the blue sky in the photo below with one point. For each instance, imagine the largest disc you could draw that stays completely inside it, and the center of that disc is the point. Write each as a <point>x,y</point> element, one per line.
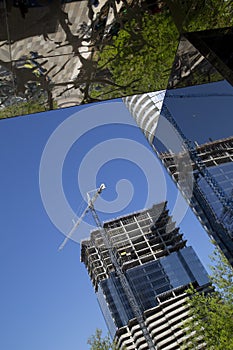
<point>47,301</point>
<point>208,115</point>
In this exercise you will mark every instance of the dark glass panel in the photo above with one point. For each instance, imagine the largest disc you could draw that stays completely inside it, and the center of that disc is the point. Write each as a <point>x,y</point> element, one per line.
<point>191,67</point>
<point>217,46</point>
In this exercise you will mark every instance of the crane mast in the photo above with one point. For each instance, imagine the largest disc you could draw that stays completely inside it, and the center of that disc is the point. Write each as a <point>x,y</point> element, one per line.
<point>138,313</point>
<point>98,192</point>
<point>220,194</point>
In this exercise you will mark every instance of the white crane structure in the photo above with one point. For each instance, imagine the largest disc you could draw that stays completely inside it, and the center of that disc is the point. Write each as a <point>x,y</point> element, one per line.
<point>138,313</point>
<point>90,204</point>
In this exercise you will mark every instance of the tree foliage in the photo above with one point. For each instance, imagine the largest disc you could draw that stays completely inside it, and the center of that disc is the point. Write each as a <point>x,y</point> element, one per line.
<point>212,314</point>
<point>210,14</point>
<point>198,15</point>
<point>97,342</point>
<point>141,55</point>
<point>22,108</point>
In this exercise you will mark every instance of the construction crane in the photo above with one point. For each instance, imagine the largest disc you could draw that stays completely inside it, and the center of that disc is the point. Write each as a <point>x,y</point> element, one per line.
<point>218,191</point>
<point>227,202</point>
<point>220,225</point>
<point>138,313</point>
<point>223,198</point>
<point>90,203</point>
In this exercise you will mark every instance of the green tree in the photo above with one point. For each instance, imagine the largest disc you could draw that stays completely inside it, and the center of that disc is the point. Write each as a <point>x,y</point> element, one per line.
<point>97,342</point>
<point>195,15</point>
<point>23,108</point>
<point>140,56</point>
<point>211,314</point>
<point>209,14</point>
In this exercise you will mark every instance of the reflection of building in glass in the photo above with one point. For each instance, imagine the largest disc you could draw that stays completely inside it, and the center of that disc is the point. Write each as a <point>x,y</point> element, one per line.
<point>158,266</point>
<point>191,67</point>
<point>146,111</point>
<point>217,219</point>
<point>203,173</point>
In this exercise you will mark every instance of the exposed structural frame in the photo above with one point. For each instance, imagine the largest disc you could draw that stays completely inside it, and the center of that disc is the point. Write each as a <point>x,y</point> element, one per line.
<point>158,266</point>
<point>201,206</point>
<point>146,110</point>
<point>227,203</point>
<point>118,270</point>
<point>123,280</point>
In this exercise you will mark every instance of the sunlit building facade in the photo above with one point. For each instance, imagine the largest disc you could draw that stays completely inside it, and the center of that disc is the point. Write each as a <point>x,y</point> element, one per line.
<point>158,265</point>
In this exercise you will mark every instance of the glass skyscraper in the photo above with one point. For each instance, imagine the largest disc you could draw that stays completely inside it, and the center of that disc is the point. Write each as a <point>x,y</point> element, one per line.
<point>158,266</point>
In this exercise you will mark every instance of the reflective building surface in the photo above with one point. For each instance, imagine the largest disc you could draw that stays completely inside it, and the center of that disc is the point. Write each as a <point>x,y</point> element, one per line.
<point>158,266</point>
<point>61,53</point>
<point>193,138</point>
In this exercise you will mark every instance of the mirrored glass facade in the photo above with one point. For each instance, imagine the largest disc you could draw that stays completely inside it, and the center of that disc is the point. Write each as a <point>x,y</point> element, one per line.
<point>61,53</point>
<point>193,138</point>
<point>224,176</point>
<point>56,54</point>
<point>149,281</point>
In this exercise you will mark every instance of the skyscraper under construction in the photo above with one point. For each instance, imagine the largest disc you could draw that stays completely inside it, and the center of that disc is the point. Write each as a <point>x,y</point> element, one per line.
<point>203,170</point>
<point>158,267</point>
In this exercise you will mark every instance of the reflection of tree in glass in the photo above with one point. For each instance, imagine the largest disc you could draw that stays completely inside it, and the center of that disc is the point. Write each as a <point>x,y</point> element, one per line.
<point>190,67</point>
<point>201,15</point>
<point>141,55</point>
<point>21,108</point>
<point>24,83</point>
<point>119,28</point>
<point>95,36</point>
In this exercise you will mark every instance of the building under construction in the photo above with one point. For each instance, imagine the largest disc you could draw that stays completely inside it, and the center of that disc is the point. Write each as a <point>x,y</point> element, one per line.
<point>202,172</point>
<point>158,267</point>
<point>217,156</point>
